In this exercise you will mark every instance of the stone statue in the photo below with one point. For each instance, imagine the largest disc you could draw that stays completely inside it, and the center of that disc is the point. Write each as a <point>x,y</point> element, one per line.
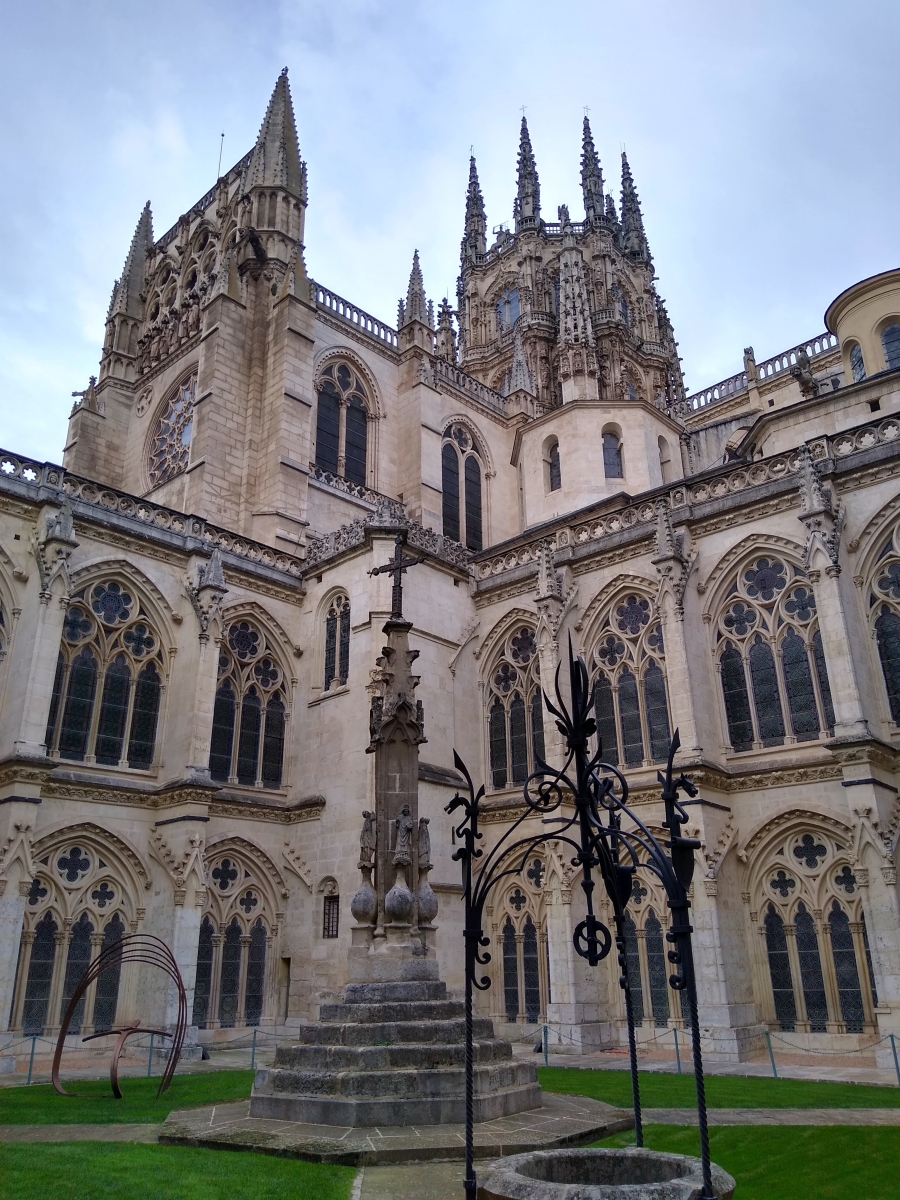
<point>424,843</point>
<point>404,827</point>
<point>367,837</point>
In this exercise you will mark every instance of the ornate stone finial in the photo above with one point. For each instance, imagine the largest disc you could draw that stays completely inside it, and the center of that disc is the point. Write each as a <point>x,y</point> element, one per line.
<point>53,545</point>
<point>474,240</point>
<point>549,584</point>
<point>275,160</point>
<point>213,574</point>
<point>207,594</point>
<point>416,306</point>
<point>527,208</point>
<point>88,398</point>
<point>814,498</point>
<point>634,239</point>
<point>665,543</point>
<point>591,176</point>
<point>445,344</point>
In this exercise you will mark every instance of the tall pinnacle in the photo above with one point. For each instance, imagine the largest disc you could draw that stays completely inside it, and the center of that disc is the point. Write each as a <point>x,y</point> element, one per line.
<point>591,176</point>
<point>527,209</point>
<point>126,290</point>
<point>416,307</point>
<point>633,236</point>
<point>474,240</point>
<point>275,161</point>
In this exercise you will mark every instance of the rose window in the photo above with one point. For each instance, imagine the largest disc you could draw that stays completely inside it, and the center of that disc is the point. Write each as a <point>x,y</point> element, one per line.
<point>633,614</point>
<point>765,579</point>
<point>111,604</point>
<point>170,447</point>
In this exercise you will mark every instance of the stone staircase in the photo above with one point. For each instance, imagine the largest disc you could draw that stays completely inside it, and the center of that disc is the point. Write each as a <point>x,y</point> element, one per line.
<point>392,1054</point>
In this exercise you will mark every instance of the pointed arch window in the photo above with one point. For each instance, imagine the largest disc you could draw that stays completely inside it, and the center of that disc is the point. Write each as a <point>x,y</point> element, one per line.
<point>77,962</point>
<point>463,519</point>
<point>108,686</point>
<point>203,981</point>
<point>249,714</point>
<point>256,973</point>
<point>515,717</point>
<point>107,995</point>
<point>772,667</point>
<point>507,309</point>
<point>337,643</point>
<point>811,978</point>
<point>612,455</point>
<point>630,697</point>
<point>530,971</point>
<point>342,425</point>
<point>633,967</point>
<point>656,970</point>
<point>780,971</point>
<point>554,467</point>
<point>510,972</point>
<point>230,985</point>
<point>846,969</point>
<point>857,365</point>
<point>40,976</point>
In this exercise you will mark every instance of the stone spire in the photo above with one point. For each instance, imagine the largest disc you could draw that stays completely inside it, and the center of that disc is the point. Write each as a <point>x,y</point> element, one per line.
<point>474,238</point>
<point>633,236</point>
<point>126,290</point>
<point>445,343</point>
<point>575,339</point>
<point>275,161</point>
<point>527,209</point>
<point>611,214</point>
<point>591,176</point>
<point>519,374</point>
<point>416,307</point>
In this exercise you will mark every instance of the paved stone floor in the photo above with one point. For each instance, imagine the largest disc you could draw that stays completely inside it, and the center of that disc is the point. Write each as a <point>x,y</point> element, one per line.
<point>775,1116</point>
<point>562,1120</point>
<point>420,1181</point>
<point>79,1133</point>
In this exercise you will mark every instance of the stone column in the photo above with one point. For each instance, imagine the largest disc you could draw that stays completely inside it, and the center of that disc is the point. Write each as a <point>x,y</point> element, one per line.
<point>90,995</point>
<point>240,1017</point>
<point>183,942</point>
<point>16,873</point>
<point>215,981</point>
<point>673,568</point>
<point>54,1015</point>
<point>844,667</point>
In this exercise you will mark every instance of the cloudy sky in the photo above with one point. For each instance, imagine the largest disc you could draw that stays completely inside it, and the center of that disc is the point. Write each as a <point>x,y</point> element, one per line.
<point>763,137</point>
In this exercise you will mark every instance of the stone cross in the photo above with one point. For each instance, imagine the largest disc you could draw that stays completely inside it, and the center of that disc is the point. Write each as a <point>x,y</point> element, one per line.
<point>396,567</point>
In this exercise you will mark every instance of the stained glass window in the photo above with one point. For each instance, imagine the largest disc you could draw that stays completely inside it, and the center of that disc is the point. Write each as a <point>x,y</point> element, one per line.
<point>890,342</point>
<point>76,719</point>
<point>40,976</point>
<point>342,416</point>
<point>510,972</point>
<point>498,743</point>
<point>249,715</point>
<point>222,733</point>
<point>811,970</point>
<point>450,490</point>
<point>328,421</point>
<point>846,970</point>
<point>822,678</point>
<point>780,971</point>
<point>605,716</point>
<point>230,985</point>
<point>555,468</point>
<point>248,742</point>
<point>612,456</point>
<point>887,637</point>
<point>769,718</point>
<point>537,725</point>
<point>869,967</point>
<point>344,645</point>
<point>657,712</point>
<point>77,962</point>
<point>107,995</point>
<point>630,719</point>
<point>58,684</point>
<point>256,973</point>
<point>633,968</point>
<point>656,970</point>
<point>203,982</point>
<point>357,434</point>
<point>518,746</point>
<point>530,972</point>
<point>473,503</point>
<point>113,711</point>
<point>144,717</point>
<point>170,448</point>
<point>857,366</point>
<point>273,743</point>
<point>515,727</point>
<point>798,684</point>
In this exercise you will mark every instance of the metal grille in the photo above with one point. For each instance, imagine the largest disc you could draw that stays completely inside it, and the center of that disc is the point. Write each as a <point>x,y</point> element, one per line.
<point>811,971</point>
<point>450,491</point>
<point>330,916</point>
<point>327,428</point>
<point>204,974</point>
<point>355,442</point>
<point>737,700</point>
<point>518,747</point>
<point>510,972</point>
<point>656,970</point>
<point>798,684</point>
<point>248,742</point>
<point>76,721</point>
<point>780,971</point>
<point>113,712</point>
<point>473,503</point>
<point>256,973</point>
<point>78,961</point>
<point>530,971</point>
<point>822,679</point>
<point>230,984</point>
<point>498,744</point>
<point>769,717</point>
<point>630,720</point>
<point>845,969</point>
<point>222,733</point>
<point>657,712</point>
<point>887,635</point>
<point>40,976</point>
<point>107,997</point>
<point>633,966</point>
<point>605,716</point>
<point>273,743</point>
<point>144,717</point>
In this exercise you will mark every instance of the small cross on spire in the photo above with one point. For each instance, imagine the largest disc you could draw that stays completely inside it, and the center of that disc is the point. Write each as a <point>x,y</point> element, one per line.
<point>396,567</point>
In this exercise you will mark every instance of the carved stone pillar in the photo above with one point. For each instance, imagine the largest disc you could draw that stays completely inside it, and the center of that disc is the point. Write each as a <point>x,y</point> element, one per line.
<point>215,982</point>
<point>240,1018</point>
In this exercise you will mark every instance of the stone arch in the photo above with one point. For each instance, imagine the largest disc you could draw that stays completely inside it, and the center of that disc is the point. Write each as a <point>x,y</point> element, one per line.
<point>120,859</point>
<point>478,439</point>
<point>268,875</point>
<point>277,640</point>
<point>758,542</point>
<point>161,611</point>
<point>588,626</point>
<point>870,541</point>
<point>334,353</point>
<point>501,629</point>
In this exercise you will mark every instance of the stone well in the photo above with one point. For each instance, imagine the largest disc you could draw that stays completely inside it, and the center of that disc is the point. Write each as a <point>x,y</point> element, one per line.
<point>627,1174</point>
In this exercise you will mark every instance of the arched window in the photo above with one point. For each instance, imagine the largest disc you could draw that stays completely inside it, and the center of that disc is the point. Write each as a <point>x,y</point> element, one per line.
<point>771,659</point>
<point>890,343</point>
<point>857,366</point>
<point>107,996</point>
<point>462,512</point>
<point>342,423</point>
<point>530,971</point>
<point>507,309</point>
<point>612,455</point>
<point>170,444</point>
<point>230,985</point>
<point>780,970</point>
<point>77,962</point>
<point>337,643</point>
<point>256,973</point>
<point>884,613</point>
<point>656,970</point>
<point>203,981</point>
<point>510,972</point>
<point>814,998</point>
<point>40,976</point>
<point>846,969</point>
<point>110,653</point>
<point>633,967</point>
<point>665,460</point>
<point>630,701</point>
<point>249,715</point>
<point>514,711</point>
<point>554,469</point>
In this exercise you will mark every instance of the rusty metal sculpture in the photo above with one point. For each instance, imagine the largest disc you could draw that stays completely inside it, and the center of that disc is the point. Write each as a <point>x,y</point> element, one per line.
<point>137,948</point>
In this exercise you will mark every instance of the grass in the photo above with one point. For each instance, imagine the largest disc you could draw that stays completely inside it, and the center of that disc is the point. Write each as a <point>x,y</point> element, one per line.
<point>722,1091</point>
<point>119,1171</point>
<point>772,1162</point>
<point>94,1103</point>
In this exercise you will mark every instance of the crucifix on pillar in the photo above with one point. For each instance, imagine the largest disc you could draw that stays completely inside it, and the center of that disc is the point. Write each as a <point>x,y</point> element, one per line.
<point>396,567</point>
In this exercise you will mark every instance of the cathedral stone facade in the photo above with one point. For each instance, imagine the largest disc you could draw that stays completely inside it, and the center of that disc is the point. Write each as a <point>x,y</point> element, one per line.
<point>190,629</point>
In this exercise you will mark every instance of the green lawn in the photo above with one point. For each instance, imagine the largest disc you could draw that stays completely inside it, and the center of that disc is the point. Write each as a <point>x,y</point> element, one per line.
<point>722,1091</point>
<point>94,1102</point>
<point>118,1171</point>
<point>787,1162</point>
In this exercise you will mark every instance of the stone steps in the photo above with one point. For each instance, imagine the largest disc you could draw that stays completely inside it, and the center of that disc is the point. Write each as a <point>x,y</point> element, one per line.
<point>418,1082</point>
<point>392,1033</point>
<point>388,1058</point>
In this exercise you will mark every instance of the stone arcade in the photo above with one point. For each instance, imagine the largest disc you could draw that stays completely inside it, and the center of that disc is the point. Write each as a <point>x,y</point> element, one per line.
<point>191,632</point>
